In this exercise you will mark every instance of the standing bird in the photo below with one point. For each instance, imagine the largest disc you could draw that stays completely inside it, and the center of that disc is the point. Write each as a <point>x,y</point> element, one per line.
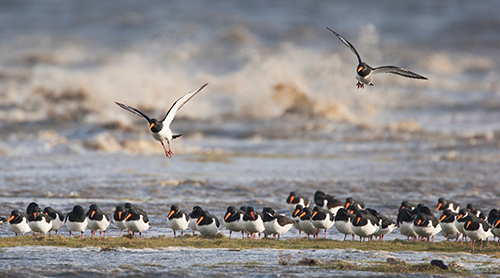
<point>447,222</point>
<point>178,220</point>
<point>18,222</point>
<point>477,229</point>
<point>354,205</point>
<point>233,220</point>
<point>405,223</point>
<point>253,223</point>
<point>364,72</point>
<point>119,218</point>
<point>39,222</point>
<point>275,224</point>
<point>207,224</point>
<point>446,204</point>
<point>305,223</point>
<point>343,222</point>
<point>365,224</point>
<point>76,221</point>
<point>137,221</point>
<point>57,218</point>
<point>97,220</point>
<point>160,130</point>
<point>294,199</point>
<point>322,219</point>
<point>463,216</point>
<point>386,226</point>
<point>425,224</point>
<point>193,218</point>
<point>296,218</point>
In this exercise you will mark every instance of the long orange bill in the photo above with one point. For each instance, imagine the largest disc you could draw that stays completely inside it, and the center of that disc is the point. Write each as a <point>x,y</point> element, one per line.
<point>227,215</point>
<point>442,217</point>
<point>151,125</point>
<point>314,213</point>
<point>199,220</point>
<point>92,214</point>
<point>11,217</point>
<point>128,216</point>
<point>439,206</point>
<point>419,221</point>
<point>467,225</point>
<point>170,214</point>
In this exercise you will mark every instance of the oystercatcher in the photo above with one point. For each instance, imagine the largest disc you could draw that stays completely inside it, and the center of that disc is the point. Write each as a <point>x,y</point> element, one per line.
<point>253,223</point>
<point>294,199</point>
<point>18,222</point>
<point>343,222</point>
<point>207,224</point>
<point>160,129</point>
<point>57,218</point>
<point>275,224</point>
<point>76,221</point>
<point>322,219</point>
<point>39,222</point>
<point>364,72</point>
<point>97,221</point>
<point>119,218</point>
<point>446,204</point>
<point>136,221</point>
<point>233,220</point>
<point>178,220</point>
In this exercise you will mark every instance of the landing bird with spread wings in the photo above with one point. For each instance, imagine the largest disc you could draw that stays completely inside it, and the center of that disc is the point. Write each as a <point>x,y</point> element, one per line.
<point>364,73</point>
<point>160,129</point>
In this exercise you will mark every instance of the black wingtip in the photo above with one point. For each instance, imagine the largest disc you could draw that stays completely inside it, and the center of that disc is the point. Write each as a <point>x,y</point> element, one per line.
<point>177,135</point>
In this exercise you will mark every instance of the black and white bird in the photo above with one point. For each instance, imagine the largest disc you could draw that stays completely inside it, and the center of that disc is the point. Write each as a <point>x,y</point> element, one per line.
<point>463,216</point>
<point>178,220</point>
<point>493,216</point>
<point>119,218</point>
<point>425,224</point>
<point>447,204</point>
<point>233,220</point>
<point>253,223</point>
<point>97,221</point>
<point>365,224</point>
<point>136,221</point>
<point>353,205</point>
<point>306,224</point>
<point>39,222</point>
<point>328,202</point>
<point>76,220</point>
<point>386,226</point>
<point>448,227</point>
<point>343,222</point>
<point>275,224</point>
<point>477,229</point>
<point>405,223</point>
<point>160,129</point>
<point>296,218</point>
<point>364,73</point>
<point>18,222</point>
<point>294,199</point>
<point>406,204</point>
<point>193,218</point>
<point>57,218</point>
<point>207,224</point>
<point>322,219</point>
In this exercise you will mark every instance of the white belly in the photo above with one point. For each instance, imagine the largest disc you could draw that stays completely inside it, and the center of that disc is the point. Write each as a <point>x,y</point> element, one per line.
<point>77,226</point>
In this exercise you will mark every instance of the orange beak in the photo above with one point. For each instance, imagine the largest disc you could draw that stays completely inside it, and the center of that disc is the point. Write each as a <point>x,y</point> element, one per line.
<point>227,215</point>
<point>119,214</point>
<point>170,214</point>
<point>11,217</point>
<point>439,206</point>
<point>151,125</point>
<point>442,217</point>
<point>296,212</point>
<point>360,69</point>
<point>34,214</point>
<point>419,221</point>
<point>347,205</point>
<point>92,214</point>
<point>291,199</point>
<point>128,216</point>
<point>467,225</point>
<point>314,213</point>
<point>302,214</point>
<point>459,216</point>
<point>199,220</point>
<point>496,224</point>
<point>357,220</point>
<point>251,213</point>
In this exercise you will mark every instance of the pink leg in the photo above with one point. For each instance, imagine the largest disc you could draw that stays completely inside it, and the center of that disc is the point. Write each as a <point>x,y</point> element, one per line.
<point>360,85</point>
<point>167,153</point>
<point>121,231</point>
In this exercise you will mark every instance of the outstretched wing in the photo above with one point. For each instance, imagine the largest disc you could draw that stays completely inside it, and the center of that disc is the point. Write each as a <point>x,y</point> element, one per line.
<point>169,117</point>
<point>398,71</point>
<point>134,110</point>
<point>348,44</point>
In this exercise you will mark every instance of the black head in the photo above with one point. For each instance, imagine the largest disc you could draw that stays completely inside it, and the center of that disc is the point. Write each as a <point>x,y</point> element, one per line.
<point>297,211</point>
<point>363,69</point>
<point>267,210</point>
<point>196,212</point>
<point>120,213</point>
<point>31,207</point>
<point>155,125</point>
<point>174,210</point>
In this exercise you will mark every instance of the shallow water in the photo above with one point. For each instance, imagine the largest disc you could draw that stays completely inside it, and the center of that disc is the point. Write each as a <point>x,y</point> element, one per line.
<point>281,112</point>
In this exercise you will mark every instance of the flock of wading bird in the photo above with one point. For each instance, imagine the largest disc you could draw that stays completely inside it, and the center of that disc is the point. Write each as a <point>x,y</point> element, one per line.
<point>416,222</point>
